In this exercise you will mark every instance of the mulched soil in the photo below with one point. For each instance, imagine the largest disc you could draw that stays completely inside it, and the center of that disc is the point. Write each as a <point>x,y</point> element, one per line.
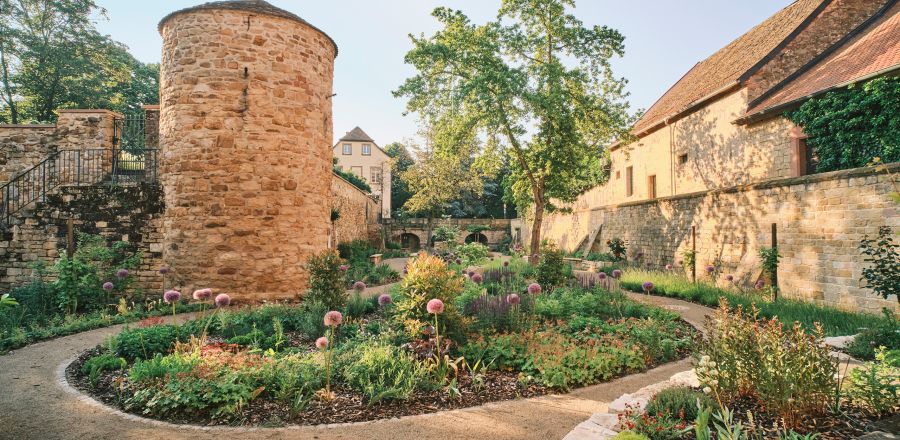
<point>347,406</point>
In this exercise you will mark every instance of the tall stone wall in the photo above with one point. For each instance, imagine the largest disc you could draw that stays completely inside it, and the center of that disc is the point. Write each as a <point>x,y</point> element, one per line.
<point>245,132</point>
<point>358,213</point>
<point>820,220</point>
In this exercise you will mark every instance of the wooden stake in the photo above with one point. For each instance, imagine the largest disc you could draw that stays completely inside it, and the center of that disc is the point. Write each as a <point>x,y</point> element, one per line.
<point>775,273</point>
<point>694,251</point>
<point>70,237</point>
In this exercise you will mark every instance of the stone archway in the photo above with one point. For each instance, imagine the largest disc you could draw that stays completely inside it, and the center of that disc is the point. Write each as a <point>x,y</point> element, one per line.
<point>410,241</point>
<point>477,237</point>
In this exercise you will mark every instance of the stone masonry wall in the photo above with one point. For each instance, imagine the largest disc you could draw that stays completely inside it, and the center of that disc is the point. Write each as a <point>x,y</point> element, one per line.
<point>130,213</point>
<point>820,220</point>
<point>358,213</point>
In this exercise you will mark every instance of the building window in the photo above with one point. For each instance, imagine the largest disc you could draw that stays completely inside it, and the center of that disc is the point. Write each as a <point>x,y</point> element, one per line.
<point>357,171</point>
<point>366,150</point>
<point>629,181</point>
<point>348,149</point>
<point>618,175</point>
<point>375,172</point>
<point>651,187</point>
<point>809,158</point>
<point>682,159</point>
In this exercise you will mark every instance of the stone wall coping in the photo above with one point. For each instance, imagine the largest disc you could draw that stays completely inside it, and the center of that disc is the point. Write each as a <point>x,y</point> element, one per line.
<point>151,107</point>
<point>774,183</point>
<point>38,126</point>
<point>90,110</point>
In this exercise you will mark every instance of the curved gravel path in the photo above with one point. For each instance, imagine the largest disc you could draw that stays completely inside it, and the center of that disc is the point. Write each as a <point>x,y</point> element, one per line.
<point>37,403</point>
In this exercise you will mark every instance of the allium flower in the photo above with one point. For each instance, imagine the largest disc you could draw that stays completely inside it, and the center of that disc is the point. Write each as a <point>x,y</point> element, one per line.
<point>344,268</point>
<point>359,286</point>
<point>435,306</point>
<point>710,269</point>
<point>534,288</point>
<point>122,273</point>
<point>617,274</point>
<point>333,318</point>
<point>385,299</point>
<point>760,284</point>
<point>513,299</point>
<point>477,278</point>
<point>668,267</point>
<point>648,286</point>
<point>506,264</point>
<point>322,343</point>
<point>471,273</point>
<point>108,286</point>
<point>729,277</point>
<point>601,275</point>
<point>458,261</point>
<point>223,300</point>
<point>171,296</point>
<point>164,270</point>
<point>202,294</point>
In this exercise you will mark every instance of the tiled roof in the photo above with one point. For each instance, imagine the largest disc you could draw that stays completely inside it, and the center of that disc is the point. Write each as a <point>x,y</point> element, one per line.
<point>357,134</point>
<point>875,49</point>
<point>725,67</point>
<point>257,6</point>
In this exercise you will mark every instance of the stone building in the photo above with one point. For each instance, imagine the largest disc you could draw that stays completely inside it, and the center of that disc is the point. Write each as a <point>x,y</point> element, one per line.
<point>357,153</point>
<point>715,156</point>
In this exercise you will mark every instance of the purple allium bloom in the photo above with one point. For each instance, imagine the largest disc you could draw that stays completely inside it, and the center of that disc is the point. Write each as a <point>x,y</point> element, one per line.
<point>710,269</point>
<point>601,275</point>
<point>534,288</point>
<point>108,286</point>
<point>223,300</point>
<point>458,261</point>
<point>617,274</point>
<point>506,264</point>
<point>385,299</point>
<point>122,273</point>
<point>164,270</point>
<point>171,296</point>
<point>477,278</point>
<point>513,299</point>
<point>729,277</point>
<point>760,284</point>
<point>333,318</point>
<point>202,294</point>
<point>435,306</point>
<point>322,343</point>
<point>344,268</point>
<point>668,267</point>
<point>471,273</point>
<point>359,286</point>
<point>648,286</point>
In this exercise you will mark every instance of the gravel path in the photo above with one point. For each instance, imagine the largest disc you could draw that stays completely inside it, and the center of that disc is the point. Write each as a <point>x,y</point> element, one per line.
<point>36,403</point>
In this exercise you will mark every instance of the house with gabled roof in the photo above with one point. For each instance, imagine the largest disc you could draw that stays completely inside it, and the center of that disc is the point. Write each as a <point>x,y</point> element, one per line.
<point>356,152</point>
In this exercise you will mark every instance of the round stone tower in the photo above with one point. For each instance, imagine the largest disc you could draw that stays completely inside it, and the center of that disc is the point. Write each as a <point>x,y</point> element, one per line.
<point>245,133</point>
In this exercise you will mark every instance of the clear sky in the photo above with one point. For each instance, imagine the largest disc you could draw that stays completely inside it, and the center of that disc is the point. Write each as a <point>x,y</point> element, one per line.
<point>663,39</point>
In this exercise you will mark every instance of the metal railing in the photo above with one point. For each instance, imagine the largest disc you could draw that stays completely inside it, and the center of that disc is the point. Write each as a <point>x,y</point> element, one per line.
<point>76,167</point>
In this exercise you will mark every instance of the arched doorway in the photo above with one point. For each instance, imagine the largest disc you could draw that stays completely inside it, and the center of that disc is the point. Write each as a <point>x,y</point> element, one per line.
<point>477,237</point>
<point>409,241</point>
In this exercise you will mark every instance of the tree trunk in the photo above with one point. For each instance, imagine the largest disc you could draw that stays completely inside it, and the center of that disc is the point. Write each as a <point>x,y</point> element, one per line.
<point>535,249</point>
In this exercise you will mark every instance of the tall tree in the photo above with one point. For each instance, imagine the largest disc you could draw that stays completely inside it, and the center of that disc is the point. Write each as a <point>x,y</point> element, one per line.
<point>401,161</point>
<point>538,84</point>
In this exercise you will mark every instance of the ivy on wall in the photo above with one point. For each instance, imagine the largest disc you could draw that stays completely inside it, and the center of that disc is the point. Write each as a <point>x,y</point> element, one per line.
<point>850,127</point>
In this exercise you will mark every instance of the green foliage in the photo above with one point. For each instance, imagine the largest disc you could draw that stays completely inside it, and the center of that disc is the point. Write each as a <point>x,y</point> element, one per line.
<point>294,379</point>
<point>552,271</point>
<point>630,435</point>
<point>326,283</point>
<point>445,233</point>
<point>354,180</point>
<point>876,385</point>
<point>617,247</point>
<point>428,277</point>
<point>79,284</point>
<point>883,333</point>
<point>883,275</point>
<point>382,372</point>
<point>690,260</point>
<point>472,254</point>
<point>849,127</point>
<point>356,251</point>
<point>144,343</point>
<point>359,306</point>
<point>681,403</point>
<point>401,161</point>
<point>444,171</point>
<point>102,363</point>
<point>769,257</point>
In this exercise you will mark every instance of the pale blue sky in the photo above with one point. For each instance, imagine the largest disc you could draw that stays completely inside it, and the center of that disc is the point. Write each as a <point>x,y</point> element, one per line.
<point>663,39</point>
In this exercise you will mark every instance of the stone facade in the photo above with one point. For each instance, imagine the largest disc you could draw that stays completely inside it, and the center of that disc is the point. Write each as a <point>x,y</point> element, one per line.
<point>245,130</point>
<point>357,153</point>
<point>820,220</point>
<point>358,214</point>
<point>413,233</point>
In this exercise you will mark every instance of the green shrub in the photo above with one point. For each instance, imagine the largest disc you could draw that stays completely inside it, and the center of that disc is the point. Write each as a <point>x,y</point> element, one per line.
<point>382,372</point>
<point>876,385</point>
<point>220,396</point>
<point>79,283</point>
<point>428,277</point>
<point>101,363</point>
<point>679,403</point>
<point>630,435</point>
<point>356,251</point>
<point>472,254</point>
<point>144,343</point>
<point>309,318</point>
<point>158,367</point>
<point>551,272</point>
<point>883,275</point>
<point>354,180</point>
<point>326,284</point>
<point>617,247</point>
<point>359,306</point>
<point>295,379</point>
<point>884,333</point>
<point>445,233</point>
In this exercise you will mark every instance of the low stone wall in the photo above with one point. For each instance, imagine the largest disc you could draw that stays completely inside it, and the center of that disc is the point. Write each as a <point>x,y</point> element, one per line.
<point>498,228</point>
<point>129,213</point>
<point>820,220</point>
<point>358,213</point>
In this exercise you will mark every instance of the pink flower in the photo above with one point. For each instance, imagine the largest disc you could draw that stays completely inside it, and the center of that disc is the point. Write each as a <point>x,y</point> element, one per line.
<point>122,273</point>
<point>534,288</point>
<point>477,278</point>
<point>435,306</point>
<point>760,284</point>
<point>601,275</point>
<point>202,294</point>
<point>729,277</point>
<point>617,274</point>
<point>648,286</point>
<point>668,267</point>
<point>164,270</point>
<point>322,343</point>
<point>359,286</point>
<point>344,268</point>
<point>171,296</point>
<point>108,286</point>
<point>513,299</point>
<point>710,269</point>
<point>223,300</point>
<point>333,318</point>
<point>384,299</point>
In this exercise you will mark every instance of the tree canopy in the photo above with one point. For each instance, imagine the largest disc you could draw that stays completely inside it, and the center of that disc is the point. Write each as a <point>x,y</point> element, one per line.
<point>536,85</point>
<point>52,56</point>
<point>401,161</point>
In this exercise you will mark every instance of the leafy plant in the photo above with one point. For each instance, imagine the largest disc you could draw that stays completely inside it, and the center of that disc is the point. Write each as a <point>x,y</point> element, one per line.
<point>471,254</point>
<point>882,333</point>
<point>630,435</point>
<point>144,343</point>
<point>326,284</point>
<point>294,379</point>
<point>690,260</point>
<point>551,272</point>
<point>445,233</point>
<point>876,385</point>
<point>883,274</point>
<point>617,247</point>
<point>679,403</point>
<point>769,257</point>
<point>101,363</point>
<point>382,372</point>
<point>428,277</point>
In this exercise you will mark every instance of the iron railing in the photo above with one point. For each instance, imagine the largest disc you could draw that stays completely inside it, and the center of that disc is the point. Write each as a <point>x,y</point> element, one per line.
<point>76,167</point>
